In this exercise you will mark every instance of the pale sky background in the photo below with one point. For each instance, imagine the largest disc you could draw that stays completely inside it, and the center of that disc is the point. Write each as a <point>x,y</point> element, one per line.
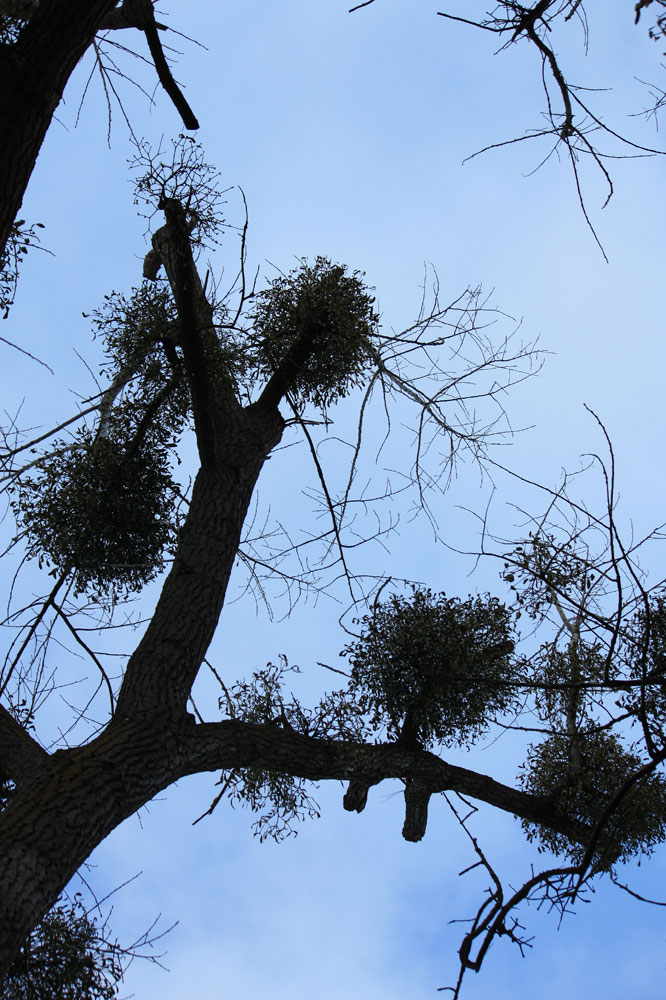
<point>347,134</point>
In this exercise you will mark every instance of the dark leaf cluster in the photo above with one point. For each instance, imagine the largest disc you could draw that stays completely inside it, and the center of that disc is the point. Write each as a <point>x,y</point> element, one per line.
<point>281,799</point>
<point>102,509</point>
<point>541,570</point>
<point>183,173</point>
<point>645,650</point>
<point>103,504</point>
<point>432,668</point>
<point>658,30</point>
<point>21,238</point>
<point>583,773</point>
<point>66,957</point>
<point>143,358</point>
<point>561,674</point>
<point>328,314</point>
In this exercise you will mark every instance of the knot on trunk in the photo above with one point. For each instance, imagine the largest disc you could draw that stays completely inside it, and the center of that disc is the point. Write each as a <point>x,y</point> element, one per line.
<point>417,796</point>
<point>356,795</point>
<point>137,13</point>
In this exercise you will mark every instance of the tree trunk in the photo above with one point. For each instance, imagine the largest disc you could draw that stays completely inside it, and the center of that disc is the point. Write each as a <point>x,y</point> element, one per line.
<point>162,670</point>
<point>33,76</point>
<point>69,802</point>
<point>73,802</point>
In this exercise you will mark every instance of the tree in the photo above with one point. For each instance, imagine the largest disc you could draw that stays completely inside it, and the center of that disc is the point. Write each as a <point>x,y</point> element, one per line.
<point>177,356</point>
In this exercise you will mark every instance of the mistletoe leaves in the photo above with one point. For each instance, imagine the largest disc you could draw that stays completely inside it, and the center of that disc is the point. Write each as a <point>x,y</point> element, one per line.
<point>143,359</point>
<point>102,509</point>
<point>282,800</point>
<point>102,504</point>
<point>66,955</point>
<point>21,238</point>
<point>645,655</point>
<point>325,312</point>
<point>585,774</point>
<point>434,669</point>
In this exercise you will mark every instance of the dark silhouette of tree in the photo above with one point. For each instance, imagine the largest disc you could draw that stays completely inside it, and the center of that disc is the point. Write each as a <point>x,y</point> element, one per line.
<point>100,508</point>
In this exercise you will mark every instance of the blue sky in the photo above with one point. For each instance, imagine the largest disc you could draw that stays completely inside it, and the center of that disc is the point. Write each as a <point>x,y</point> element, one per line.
<point>347,134</point>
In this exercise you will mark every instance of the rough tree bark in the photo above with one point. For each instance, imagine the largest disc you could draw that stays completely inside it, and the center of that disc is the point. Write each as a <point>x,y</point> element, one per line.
<point>77,797</point>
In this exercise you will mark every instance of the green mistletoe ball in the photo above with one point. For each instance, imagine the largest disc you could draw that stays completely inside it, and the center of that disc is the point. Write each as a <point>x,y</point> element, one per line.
<point>585,773</point>
<point>434,669</point>
<point>102,510</point>
<point>329,310</point>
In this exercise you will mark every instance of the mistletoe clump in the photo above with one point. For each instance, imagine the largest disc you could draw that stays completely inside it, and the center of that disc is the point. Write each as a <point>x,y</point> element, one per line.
<point>282,800</point>
<point>103,505</point>
<point>102,509</point>
<point>324,314</point>
<point>143,358</point>
<point>66,956</point>
<point>434,669</point>
<point>130,327</point>
<point>559,675</point>
<point>585,773</point>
